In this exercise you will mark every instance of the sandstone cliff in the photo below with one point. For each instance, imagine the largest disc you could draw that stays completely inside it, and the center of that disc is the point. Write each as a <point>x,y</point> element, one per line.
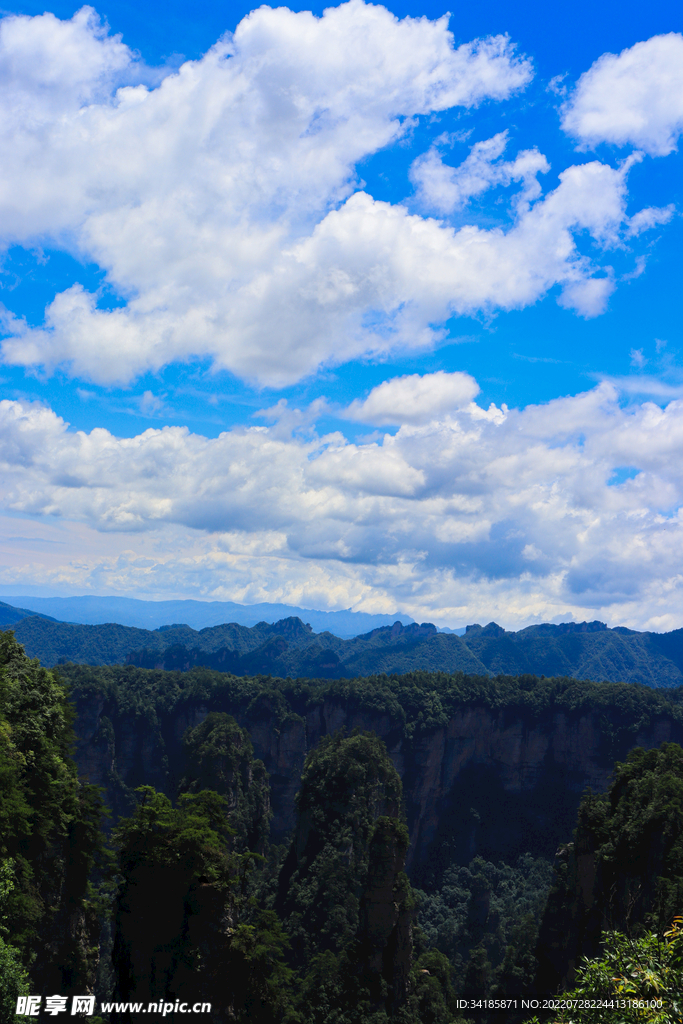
<point>487,767</point>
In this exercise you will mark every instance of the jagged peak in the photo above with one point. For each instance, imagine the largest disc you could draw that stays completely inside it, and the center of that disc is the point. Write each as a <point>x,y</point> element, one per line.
<point>560,628</point>
<point>398,629</point>
<point>291,626</point>
<point>490,629</point>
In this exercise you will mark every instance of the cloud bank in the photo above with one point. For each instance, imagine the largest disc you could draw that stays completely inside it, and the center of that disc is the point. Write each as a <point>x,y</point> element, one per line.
<point>572,507</point>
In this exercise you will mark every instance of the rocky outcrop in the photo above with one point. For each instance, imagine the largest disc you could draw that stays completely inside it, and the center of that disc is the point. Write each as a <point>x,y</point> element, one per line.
<point>623,872</point>
<point>386,916</point>
<point>524,779</point>
<point>492,781</point>
<point>219,756</point>
<point>342,891</point>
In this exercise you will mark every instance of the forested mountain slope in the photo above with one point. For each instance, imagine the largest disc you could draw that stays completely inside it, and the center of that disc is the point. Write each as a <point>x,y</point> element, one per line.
<point>492,773</point>
<point>587,650</point>
<point>10,615</point>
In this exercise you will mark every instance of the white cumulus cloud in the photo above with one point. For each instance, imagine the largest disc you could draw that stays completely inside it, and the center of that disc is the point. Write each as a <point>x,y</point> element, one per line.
<point>223,204</point>
<point>196,196</point>
<point>443,188</point>
<point>414,398</point>
<point>650,218</point>
<point>634,97</point>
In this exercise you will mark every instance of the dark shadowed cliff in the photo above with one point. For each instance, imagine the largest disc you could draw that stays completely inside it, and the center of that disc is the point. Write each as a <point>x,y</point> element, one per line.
<point>489,766</point>
<point>343,896</point>
<point>624,869</point>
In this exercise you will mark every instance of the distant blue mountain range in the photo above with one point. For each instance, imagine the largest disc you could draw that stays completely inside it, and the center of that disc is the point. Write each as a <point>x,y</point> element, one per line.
<point>129,611</point>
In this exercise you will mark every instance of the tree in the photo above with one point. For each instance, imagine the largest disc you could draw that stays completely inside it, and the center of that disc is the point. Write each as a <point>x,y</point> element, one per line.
<point>624,870</point>
<point>13,977</point>
<point>13,981</point>
<point>219,756</point>
<point>639,980</point>
<point>174,893</point>
<point>50,836</point>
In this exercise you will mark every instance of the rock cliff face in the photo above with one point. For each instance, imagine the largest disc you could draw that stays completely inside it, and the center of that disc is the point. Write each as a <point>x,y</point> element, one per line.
<point>488,781</point>
<point>386,915</point>
<point>219,757</point>
<point>624,870</point>
<point>342,891</point>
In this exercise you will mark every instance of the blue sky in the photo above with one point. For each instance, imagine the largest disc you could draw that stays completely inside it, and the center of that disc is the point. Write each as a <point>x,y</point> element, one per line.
<point>345,310</point>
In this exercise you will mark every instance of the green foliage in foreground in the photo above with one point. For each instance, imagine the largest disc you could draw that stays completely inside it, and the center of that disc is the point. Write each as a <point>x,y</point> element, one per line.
<point>641,980</point>
<point>13,982</point>
<point>49,831</point>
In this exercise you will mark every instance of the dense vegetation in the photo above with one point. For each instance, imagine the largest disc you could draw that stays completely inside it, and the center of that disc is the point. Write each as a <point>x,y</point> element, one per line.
<point>325,937</point>
<point>342,894</point>
<point>624,870</point>
<point>196,903</point>
<point>291,648</point>
<point>417,701</point>
<point>50,836</point>
<point>484,918</point>
<point>219,756</point>
<point>634,981</point>
<point>10,615</point>
<point>184,925</point>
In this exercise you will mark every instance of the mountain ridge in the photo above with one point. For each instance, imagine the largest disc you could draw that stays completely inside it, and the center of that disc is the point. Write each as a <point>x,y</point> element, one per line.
<point>94,610</point>
<point>291,648</point>
<point>10,614</point>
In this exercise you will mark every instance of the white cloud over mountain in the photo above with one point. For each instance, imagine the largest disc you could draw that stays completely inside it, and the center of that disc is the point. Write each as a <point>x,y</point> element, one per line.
<point>223,204</point>
<point>571,507</point>
<point>635,97</point>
